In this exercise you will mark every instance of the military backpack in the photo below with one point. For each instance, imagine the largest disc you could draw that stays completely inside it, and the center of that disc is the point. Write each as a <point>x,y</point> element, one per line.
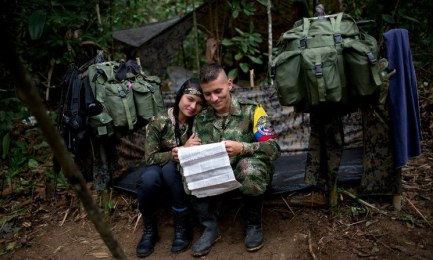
<point>325,59</point>
<point>125,97</point>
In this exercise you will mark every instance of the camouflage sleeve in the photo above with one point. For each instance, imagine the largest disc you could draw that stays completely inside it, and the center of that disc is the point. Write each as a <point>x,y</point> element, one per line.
<point>266,139</point>
<point>269,149</point>
<point>154,152</point>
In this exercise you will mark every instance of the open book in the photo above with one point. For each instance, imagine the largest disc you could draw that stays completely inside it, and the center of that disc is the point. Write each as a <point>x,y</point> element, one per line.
<point>207,169</point>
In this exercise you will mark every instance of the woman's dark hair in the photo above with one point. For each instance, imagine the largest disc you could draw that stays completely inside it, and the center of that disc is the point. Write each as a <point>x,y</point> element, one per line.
<point>189,84</point>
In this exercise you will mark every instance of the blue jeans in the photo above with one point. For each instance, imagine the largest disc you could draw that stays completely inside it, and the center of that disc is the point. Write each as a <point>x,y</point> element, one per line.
<point>154,179</point>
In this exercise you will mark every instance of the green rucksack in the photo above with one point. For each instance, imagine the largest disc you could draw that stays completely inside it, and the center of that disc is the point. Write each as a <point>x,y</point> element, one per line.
<point>325,59</point>
<point>125,100</point>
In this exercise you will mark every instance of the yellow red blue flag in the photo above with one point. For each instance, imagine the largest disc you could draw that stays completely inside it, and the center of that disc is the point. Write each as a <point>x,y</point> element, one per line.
<point>263,129</point>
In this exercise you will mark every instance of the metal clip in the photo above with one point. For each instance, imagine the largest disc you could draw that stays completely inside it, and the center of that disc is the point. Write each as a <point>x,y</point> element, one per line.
<point>150,87</point>
<point>338,39</point>
<point>303,42</point>
<point>122,93</point>
<point>318,69</point>
<point>371,58</point>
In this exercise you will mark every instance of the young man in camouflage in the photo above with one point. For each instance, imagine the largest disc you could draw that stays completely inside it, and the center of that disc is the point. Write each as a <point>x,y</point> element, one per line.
<point>251,145</point>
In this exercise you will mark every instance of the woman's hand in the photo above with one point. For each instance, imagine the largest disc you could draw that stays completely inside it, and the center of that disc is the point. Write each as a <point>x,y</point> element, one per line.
<point>175,154</point>
<point>233,148</point>
<point>192,141</point>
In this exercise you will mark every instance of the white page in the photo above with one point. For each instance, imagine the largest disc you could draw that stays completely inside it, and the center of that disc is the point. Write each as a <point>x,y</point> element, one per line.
<point>207,169</point>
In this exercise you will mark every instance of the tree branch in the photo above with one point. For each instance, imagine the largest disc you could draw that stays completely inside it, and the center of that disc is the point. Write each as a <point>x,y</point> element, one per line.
<point>27,92</point>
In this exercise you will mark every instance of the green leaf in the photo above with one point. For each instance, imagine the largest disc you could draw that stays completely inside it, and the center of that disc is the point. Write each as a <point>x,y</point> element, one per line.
<point>410,18</point>
<point>11,246</point>
<point>36,24</point>
<point>239,56</point>
<point>233,73</point>
<point>388,19</point>
<point>239,31</point>
<point>248,12</point>
<point>244,67</point>
<point>248,8</point>
<point>32,163</point>
<point>43,144</point>
<point>226,42</point>
<point>244,47</point>
<point>255,60</point>
<point>235,14</point>
<point>6,142</point>
<point>369,223</point>
<point>109,205</point>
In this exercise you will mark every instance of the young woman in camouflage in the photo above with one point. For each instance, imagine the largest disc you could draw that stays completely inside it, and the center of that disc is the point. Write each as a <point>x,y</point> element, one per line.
<point>164,134</point>
<point>251,144</point>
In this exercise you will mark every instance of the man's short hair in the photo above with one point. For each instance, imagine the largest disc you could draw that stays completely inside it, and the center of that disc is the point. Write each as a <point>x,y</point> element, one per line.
<point>210,72</point>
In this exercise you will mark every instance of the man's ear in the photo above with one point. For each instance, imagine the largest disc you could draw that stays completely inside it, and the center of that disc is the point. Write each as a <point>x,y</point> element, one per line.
<point>230,83</point>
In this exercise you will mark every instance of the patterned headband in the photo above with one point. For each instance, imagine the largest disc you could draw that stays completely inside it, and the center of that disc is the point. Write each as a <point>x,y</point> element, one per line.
<point>193,91</point>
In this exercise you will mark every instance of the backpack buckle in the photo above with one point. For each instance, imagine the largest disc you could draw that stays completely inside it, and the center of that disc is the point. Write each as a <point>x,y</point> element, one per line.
<point>303,42</point>
<point>337,38</point>
<point>122,93</point>
<point>371,58</point>
<point>318,70</point>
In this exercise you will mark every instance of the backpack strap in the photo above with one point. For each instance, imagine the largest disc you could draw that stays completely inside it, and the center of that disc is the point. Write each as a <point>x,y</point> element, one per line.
<point>318,68</point>
<point>336,26</point>
<point>306,28</point>
<point>93,106</point>
<point>74,105</point>
<point>75,95</point>
<point>338,41</point>
<point>122,95</point>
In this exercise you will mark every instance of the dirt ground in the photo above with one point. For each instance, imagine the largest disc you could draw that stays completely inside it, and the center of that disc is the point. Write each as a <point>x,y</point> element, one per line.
<point>296,226</point>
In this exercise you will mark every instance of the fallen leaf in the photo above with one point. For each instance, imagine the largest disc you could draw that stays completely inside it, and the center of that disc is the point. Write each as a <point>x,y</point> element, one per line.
<point>57,249</point>
<point>100,255</point>
<point>27,224</point>
<point>11,246</point>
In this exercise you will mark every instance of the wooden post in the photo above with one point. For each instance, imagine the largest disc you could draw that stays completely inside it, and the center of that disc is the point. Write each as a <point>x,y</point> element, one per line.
<point>137,59</point>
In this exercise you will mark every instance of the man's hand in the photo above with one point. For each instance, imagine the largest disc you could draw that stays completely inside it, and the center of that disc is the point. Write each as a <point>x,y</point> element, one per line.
<point>192,141</point>
<point>233,148</point>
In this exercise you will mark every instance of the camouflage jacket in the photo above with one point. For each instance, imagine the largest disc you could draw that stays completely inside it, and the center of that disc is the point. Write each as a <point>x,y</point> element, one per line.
<point>160,139</point>
<point>239,126</point>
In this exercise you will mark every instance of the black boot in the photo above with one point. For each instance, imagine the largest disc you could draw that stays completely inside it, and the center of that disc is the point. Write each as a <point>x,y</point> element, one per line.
<point>211,232</point>
<point>148,239</point>
<point>182,232</point>
<point>253,223</point>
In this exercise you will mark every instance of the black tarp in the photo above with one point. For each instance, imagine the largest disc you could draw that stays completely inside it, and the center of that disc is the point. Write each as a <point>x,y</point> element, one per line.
<point>288,176</point>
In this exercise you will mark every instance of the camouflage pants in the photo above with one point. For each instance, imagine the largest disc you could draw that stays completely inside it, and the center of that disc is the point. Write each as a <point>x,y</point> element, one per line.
<point>254,174</point>
<point>325,149</point>
<point>379,176</point>
<point>105,162</point>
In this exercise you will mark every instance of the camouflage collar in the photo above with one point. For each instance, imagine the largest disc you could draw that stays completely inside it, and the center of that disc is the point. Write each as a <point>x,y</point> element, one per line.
<point>171,116</point>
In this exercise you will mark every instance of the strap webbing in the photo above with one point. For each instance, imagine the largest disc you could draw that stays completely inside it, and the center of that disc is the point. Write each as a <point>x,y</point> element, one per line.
<point>126,107</point>
<point>75,95</point>
<point>321,88</point>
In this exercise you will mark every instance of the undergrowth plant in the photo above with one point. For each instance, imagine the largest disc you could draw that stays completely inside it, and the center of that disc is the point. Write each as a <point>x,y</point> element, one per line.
<point>13,151</point>
<point>23,148</point>
<point>242,51</point>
